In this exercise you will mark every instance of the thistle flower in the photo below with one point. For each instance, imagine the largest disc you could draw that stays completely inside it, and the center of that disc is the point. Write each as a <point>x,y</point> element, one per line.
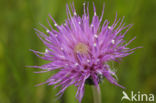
<point>80,50</point>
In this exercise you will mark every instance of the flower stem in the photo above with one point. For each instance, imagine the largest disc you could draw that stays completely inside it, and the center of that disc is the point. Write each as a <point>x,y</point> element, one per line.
<point>96,94</point>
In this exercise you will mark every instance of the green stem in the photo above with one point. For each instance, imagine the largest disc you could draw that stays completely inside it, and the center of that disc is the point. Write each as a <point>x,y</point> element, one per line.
<point>96,94</point>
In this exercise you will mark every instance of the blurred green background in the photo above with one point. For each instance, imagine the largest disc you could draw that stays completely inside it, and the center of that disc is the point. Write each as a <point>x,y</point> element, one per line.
<point>18,18</point>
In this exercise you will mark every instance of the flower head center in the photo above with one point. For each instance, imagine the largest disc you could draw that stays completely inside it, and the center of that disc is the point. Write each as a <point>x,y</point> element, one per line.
<point>81,48</point>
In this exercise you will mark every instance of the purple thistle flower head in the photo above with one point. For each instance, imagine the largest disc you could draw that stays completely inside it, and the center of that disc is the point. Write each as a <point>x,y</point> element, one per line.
<point>81,50</point>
